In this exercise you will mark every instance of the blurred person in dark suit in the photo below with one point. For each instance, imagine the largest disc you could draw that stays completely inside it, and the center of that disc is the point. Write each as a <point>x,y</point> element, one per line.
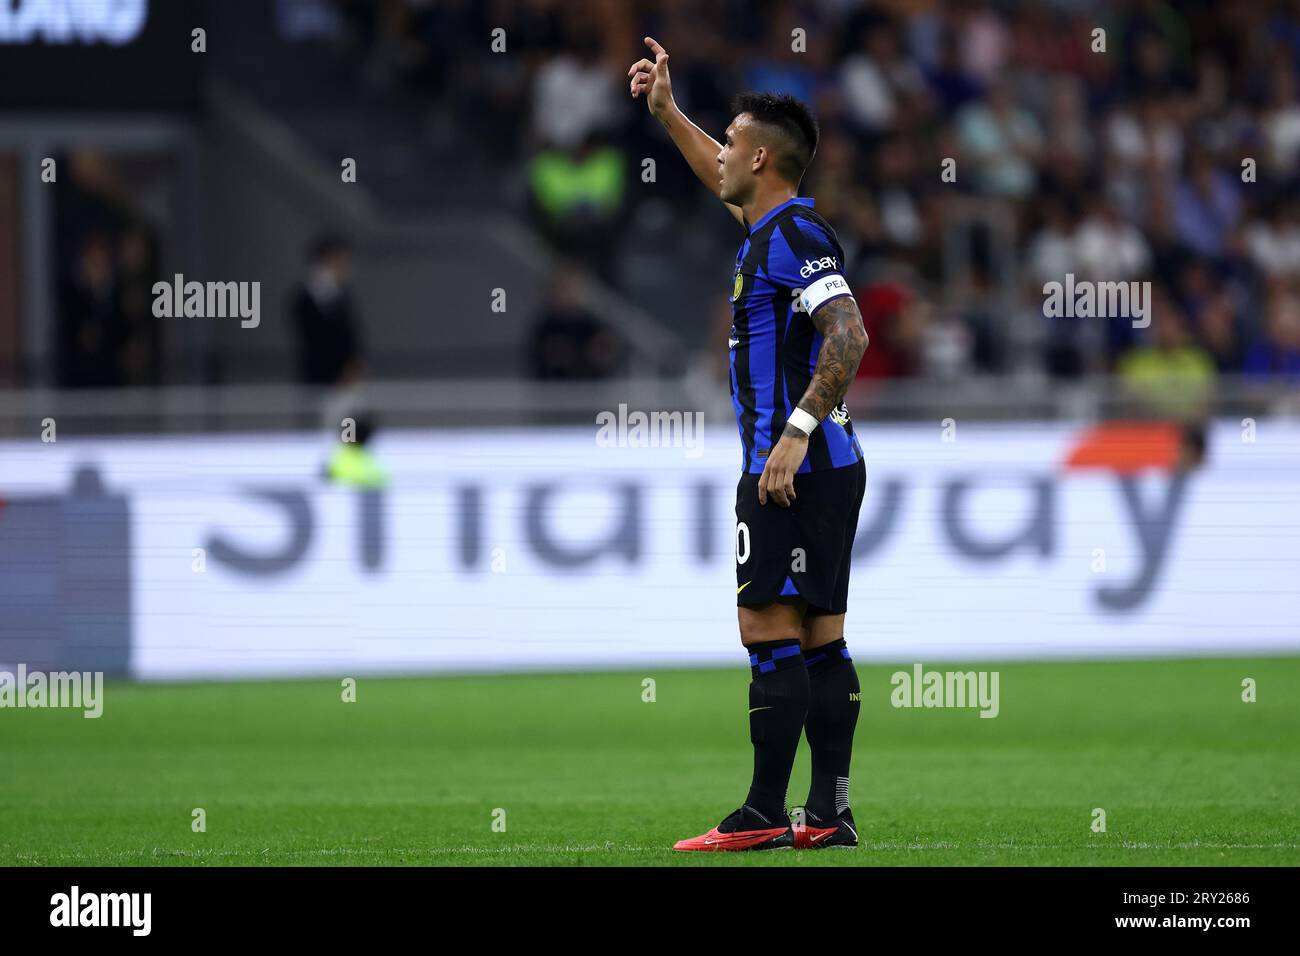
<point>142,350</point>
<point>92,329</point>
<point>325,317</point>
<point>569,341</point>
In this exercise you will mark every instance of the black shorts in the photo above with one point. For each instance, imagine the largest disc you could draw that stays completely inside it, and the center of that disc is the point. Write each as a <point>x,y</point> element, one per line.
<point>804,550</point>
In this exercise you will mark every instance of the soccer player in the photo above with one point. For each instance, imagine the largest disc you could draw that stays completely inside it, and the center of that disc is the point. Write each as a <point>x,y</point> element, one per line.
<point>796,342</point>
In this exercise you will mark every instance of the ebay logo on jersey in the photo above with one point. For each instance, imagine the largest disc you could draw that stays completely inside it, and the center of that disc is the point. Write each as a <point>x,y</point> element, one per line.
<point>811,267</point>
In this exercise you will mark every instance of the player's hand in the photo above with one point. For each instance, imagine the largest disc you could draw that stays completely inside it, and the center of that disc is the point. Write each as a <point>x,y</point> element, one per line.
<point>777,479</point>
<point>652,79</point>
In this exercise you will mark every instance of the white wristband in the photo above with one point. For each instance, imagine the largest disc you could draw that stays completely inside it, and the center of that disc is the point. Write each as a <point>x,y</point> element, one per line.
<point>803,421</point>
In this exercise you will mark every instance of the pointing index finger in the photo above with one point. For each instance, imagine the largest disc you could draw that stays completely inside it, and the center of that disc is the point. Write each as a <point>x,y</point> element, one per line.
<point>655,48</point>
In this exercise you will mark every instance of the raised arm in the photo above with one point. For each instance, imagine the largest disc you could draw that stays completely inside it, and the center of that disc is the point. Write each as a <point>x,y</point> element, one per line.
<point>698,148</point>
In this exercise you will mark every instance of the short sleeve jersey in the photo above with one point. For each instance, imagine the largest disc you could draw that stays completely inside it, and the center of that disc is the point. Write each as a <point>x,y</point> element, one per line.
<point>789,266</point>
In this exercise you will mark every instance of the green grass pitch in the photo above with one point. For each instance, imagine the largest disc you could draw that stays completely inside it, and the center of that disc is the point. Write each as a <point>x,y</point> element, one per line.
<point>587,773</point>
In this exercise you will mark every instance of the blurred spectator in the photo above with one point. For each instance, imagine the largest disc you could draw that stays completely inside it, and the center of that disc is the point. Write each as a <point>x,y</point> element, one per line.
<point>576,93</point>
<point>1206,207</point>
<point>1149,42</point>
<point>1219,331</point>
<point>985,40</point>
<point>1002,142</point>
<point>325,317</point>
<point>353,464</point>
<point>1168,255</point>
<point>569,342</point>
<point>1108,247</point>
<point>896,323</point>
<point>1052,253</point>
<point>949,81</point>
<point>946,349</point>
<point>876,78</point>
<point>302,20</point>
<point>577,196</point>
<point>900,216</point>
<point>1276,354</point>
<point>1172,376</point>
<point>106,334</point>
<point>775,67</point>
<point>1282,123</point>
<point>1144,143</point>
<point>143,348</point>
<point>980,310</point>
<point>92,329</point>
<point>1052,248</point>
<point>1071,147</point>
<point>1273,242</point>
<point>1116,166</point>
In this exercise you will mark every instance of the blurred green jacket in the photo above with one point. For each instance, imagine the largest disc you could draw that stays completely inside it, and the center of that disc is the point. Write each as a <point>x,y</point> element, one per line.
<point>354,467</point>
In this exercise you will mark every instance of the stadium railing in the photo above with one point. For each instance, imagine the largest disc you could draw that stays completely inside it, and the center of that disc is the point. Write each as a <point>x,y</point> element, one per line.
<point>501,402</point>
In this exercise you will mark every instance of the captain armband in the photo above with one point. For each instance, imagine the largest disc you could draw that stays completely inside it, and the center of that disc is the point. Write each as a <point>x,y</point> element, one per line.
<point>826,287</point>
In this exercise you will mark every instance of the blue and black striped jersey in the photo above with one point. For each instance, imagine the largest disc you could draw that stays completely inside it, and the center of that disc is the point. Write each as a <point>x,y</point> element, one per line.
<point>774,344</point>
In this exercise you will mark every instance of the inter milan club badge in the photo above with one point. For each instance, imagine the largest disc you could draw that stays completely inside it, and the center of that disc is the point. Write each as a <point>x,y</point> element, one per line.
<point>735,290</point>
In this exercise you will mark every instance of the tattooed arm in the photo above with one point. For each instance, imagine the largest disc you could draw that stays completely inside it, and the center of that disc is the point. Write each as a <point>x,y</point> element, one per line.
<point>844,340</point>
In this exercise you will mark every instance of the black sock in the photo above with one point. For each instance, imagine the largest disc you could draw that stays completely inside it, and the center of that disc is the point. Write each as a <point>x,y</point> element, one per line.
<point>833,705</point>
<point>778,703</point>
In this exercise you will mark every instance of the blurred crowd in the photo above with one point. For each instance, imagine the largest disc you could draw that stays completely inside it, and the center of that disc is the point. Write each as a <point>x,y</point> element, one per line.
<point>971,153</point>
<point>1125,140</point>
<point>105,334</point>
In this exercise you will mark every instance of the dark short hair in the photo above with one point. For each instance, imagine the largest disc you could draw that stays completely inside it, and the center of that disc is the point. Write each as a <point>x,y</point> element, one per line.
<point>794,123</point>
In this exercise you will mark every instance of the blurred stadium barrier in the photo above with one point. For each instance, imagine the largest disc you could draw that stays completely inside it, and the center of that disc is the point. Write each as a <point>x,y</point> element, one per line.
<point>502,401</point>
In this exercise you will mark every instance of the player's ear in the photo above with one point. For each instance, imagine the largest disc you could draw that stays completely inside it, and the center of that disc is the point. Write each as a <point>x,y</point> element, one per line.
<point>760,158</point>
